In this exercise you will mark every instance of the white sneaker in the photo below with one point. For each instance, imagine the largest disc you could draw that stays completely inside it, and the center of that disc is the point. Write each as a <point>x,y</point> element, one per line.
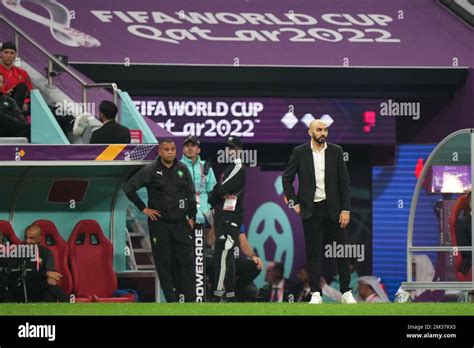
<point>347,298</point>
<point>316,298</point>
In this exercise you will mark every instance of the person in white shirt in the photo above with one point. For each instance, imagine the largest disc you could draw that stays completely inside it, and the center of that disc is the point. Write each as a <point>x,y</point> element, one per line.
<point>323,202</point>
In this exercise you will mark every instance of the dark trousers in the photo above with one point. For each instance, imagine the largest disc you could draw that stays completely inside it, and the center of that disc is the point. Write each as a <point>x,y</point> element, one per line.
<point>172,241</point>
<point>19,94</point>
<point>246,271</point>
<point>52,293</point>
<point>40,292</point>
<point>227,237</point>
<point>315,229</point>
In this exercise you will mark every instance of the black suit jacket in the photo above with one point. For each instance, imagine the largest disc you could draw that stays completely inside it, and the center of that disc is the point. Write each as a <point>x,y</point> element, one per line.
<point>47,264</point>
<point>111,133</point>
<point>290,289</point>
<point>336,180</point>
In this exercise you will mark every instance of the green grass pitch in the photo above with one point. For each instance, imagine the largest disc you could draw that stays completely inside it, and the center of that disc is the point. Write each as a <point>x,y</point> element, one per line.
<point>257,309</point>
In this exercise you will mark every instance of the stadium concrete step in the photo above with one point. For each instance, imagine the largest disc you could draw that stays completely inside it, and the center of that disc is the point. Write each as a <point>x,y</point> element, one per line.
<point>142,250</point>
<point>141,257</point>
<point>137,234</point>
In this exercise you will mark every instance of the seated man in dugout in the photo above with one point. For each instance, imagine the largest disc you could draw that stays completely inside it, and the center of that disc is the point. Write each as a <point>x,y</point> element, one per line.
<point>17,83</point>
<point>42,282</point>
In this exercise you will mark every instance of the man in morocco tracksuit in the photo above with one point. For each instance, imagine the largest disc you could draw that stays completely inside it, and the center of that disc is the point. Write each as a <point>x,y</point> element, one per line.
<point>171,215</point>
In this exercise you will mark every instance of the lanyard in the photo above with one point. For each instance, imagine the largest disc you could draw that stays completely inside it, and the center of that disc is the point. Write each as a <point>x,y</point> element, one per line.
<point>203,178</point>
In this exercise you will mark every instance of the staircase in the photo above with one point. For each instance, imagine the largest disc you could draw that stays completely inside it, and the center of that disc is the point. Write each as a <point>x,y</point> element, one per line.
<point>69,84</point>
<point>140,256</point>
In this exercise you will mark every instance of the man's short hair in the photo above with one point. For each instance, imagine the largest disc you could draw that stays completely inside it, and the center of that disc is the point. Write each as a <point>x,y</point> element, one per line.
<point>33,226</point>
<point>166,140</point>
<point>108,109</point>
<point>278,266</point>
<point>9,45</point>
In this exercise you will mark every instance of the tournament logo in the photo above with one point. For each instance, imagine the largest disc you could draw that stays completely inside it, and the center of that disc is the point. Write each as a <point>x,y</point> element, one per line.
<point>58,23</point>
<point>270,225</point>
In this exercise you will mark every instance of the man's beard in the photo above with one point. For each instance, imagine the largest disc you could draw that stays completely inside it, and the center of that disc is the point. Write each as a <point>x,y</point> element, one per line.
<point>320,140</point>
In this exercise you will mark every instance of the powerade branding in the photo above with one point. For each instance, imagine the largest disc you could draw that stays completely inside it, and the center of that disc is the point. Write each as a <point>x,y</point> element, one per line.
<point>200,266</point>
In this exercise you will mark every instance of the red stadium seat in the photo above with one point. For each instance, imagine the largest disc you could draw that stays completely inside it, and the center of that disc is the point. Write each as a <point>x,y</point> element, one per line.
<point>86,299</point>
<point>8,233</point>
<point>51,239</point>
<point>91,262</point>
<point>461,205</point>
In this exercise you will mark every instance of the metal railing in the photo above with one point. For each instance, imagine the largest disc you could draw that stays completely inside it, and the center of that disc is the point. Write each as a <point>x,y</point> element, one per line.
<point>53,60</point>
<point>438,285</point>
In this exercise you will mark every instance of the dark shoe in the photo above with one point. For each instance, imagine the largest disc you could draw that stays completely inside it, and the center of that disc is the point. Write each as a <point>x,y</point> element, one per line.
<point>231,299</point>
<point>215,299</point>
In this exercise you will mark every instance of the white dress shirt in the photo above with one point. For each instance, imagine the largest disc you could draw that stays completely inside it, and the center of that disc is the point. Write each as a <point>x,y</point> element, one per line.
<point>319,163</point>
<point>319,168</point>
<point>278,291</point>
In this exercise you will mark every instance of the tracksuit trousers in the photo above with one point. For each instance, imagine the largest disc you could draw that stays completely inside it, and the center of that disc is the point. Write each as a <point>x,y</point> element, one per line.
<point>171,240</point>
<point>227,237</point>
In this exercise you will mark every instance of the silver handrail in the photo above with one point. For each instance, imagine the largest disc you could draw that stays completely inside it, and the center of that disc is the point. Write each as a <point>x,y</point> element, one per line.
<point>52,59</point>
<point>110,85</point>
<point>411,218</point>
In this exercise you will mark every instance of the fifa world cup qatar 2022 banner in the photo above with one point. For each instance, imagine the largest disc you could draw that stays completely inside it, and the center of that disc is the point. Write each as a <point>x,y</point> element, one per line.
<point>248,32</point>
<point>270,120</point>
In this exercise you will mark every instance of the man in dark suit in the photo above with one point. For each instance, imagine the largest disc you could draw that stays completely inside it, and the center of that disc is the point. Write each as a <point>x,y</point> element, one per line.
<point>111,132</point>
<point>278,288</point>
<point>323,202</point>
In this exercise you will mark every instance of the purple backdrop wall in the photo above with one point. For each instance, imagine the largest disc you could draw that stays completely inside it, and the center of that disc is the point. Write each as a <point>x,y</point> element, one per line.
<point>256,32</point>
